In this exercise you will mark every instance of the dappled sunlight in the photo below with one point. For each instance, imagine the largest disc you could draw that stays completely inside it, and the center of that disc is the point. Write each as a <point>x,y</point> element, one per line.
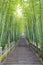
<point>18,11</point>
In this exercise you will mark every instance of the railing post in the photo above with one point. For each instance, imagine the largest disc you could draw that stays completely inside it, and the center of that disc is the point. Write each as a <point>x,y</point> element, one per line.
<point>0,51</point>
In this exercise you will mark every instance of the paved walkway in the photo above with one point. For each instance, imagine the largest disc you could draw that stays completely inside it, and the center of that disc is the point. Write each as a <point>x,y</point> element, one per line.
<point>22,55</point>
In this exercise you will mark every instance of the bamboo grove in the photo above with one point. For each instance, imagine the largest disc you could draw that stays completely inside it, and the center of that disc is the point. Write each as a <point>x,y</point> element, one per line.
<point>13,24</point>
<point>34,27</point>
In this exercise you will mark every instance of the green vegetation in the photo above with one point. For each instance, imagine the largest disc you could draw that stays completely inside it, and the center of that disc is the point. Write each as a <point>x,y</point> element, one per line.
<point>18,16</point>
<point>34,27</point>
<point>4,55</point>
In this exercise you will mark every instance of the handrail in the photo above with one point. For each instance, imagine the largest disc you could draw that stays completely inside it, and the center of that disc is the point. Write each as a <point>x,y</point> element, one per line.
<point>37,50</point>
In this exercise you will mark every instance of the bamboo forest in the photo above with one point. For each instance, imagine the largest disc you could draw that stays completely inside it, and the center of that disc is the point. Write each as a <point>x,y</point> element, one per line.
<point>21,19</point>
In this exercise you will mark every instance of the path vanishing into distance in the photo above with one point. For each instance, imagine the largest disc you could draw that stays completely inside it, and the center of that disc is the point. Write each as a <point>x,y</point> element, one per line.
<point>22,55</point>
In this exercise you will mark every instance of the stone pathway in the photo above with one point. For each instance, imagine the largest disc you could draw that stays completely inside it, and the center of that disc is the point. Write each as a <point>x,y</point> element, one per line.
<point>22,55</point>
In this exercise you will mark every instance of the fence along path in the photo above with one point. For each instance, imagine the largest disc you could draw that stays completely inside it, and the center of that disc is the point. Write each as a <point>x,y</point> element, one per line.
<point>22,55</point>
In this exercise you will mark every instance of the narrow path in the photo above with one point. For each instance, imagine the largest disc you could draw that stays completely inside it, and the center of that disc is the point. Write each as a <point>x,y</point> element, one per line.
<point>22,55</point>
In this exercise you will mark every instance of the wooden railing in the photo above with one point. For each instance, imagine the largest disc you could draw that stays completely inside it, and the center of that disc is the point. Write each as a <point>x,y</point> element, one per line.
<point>37,50</point>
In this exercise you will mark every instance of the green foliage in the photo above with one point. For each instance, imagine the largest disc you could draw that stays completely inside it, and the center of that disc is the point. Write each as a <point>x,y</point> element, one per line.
<point>2,57</point>
<point>8,28</point>
<point>12,25</point>
<point>35,22</point>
